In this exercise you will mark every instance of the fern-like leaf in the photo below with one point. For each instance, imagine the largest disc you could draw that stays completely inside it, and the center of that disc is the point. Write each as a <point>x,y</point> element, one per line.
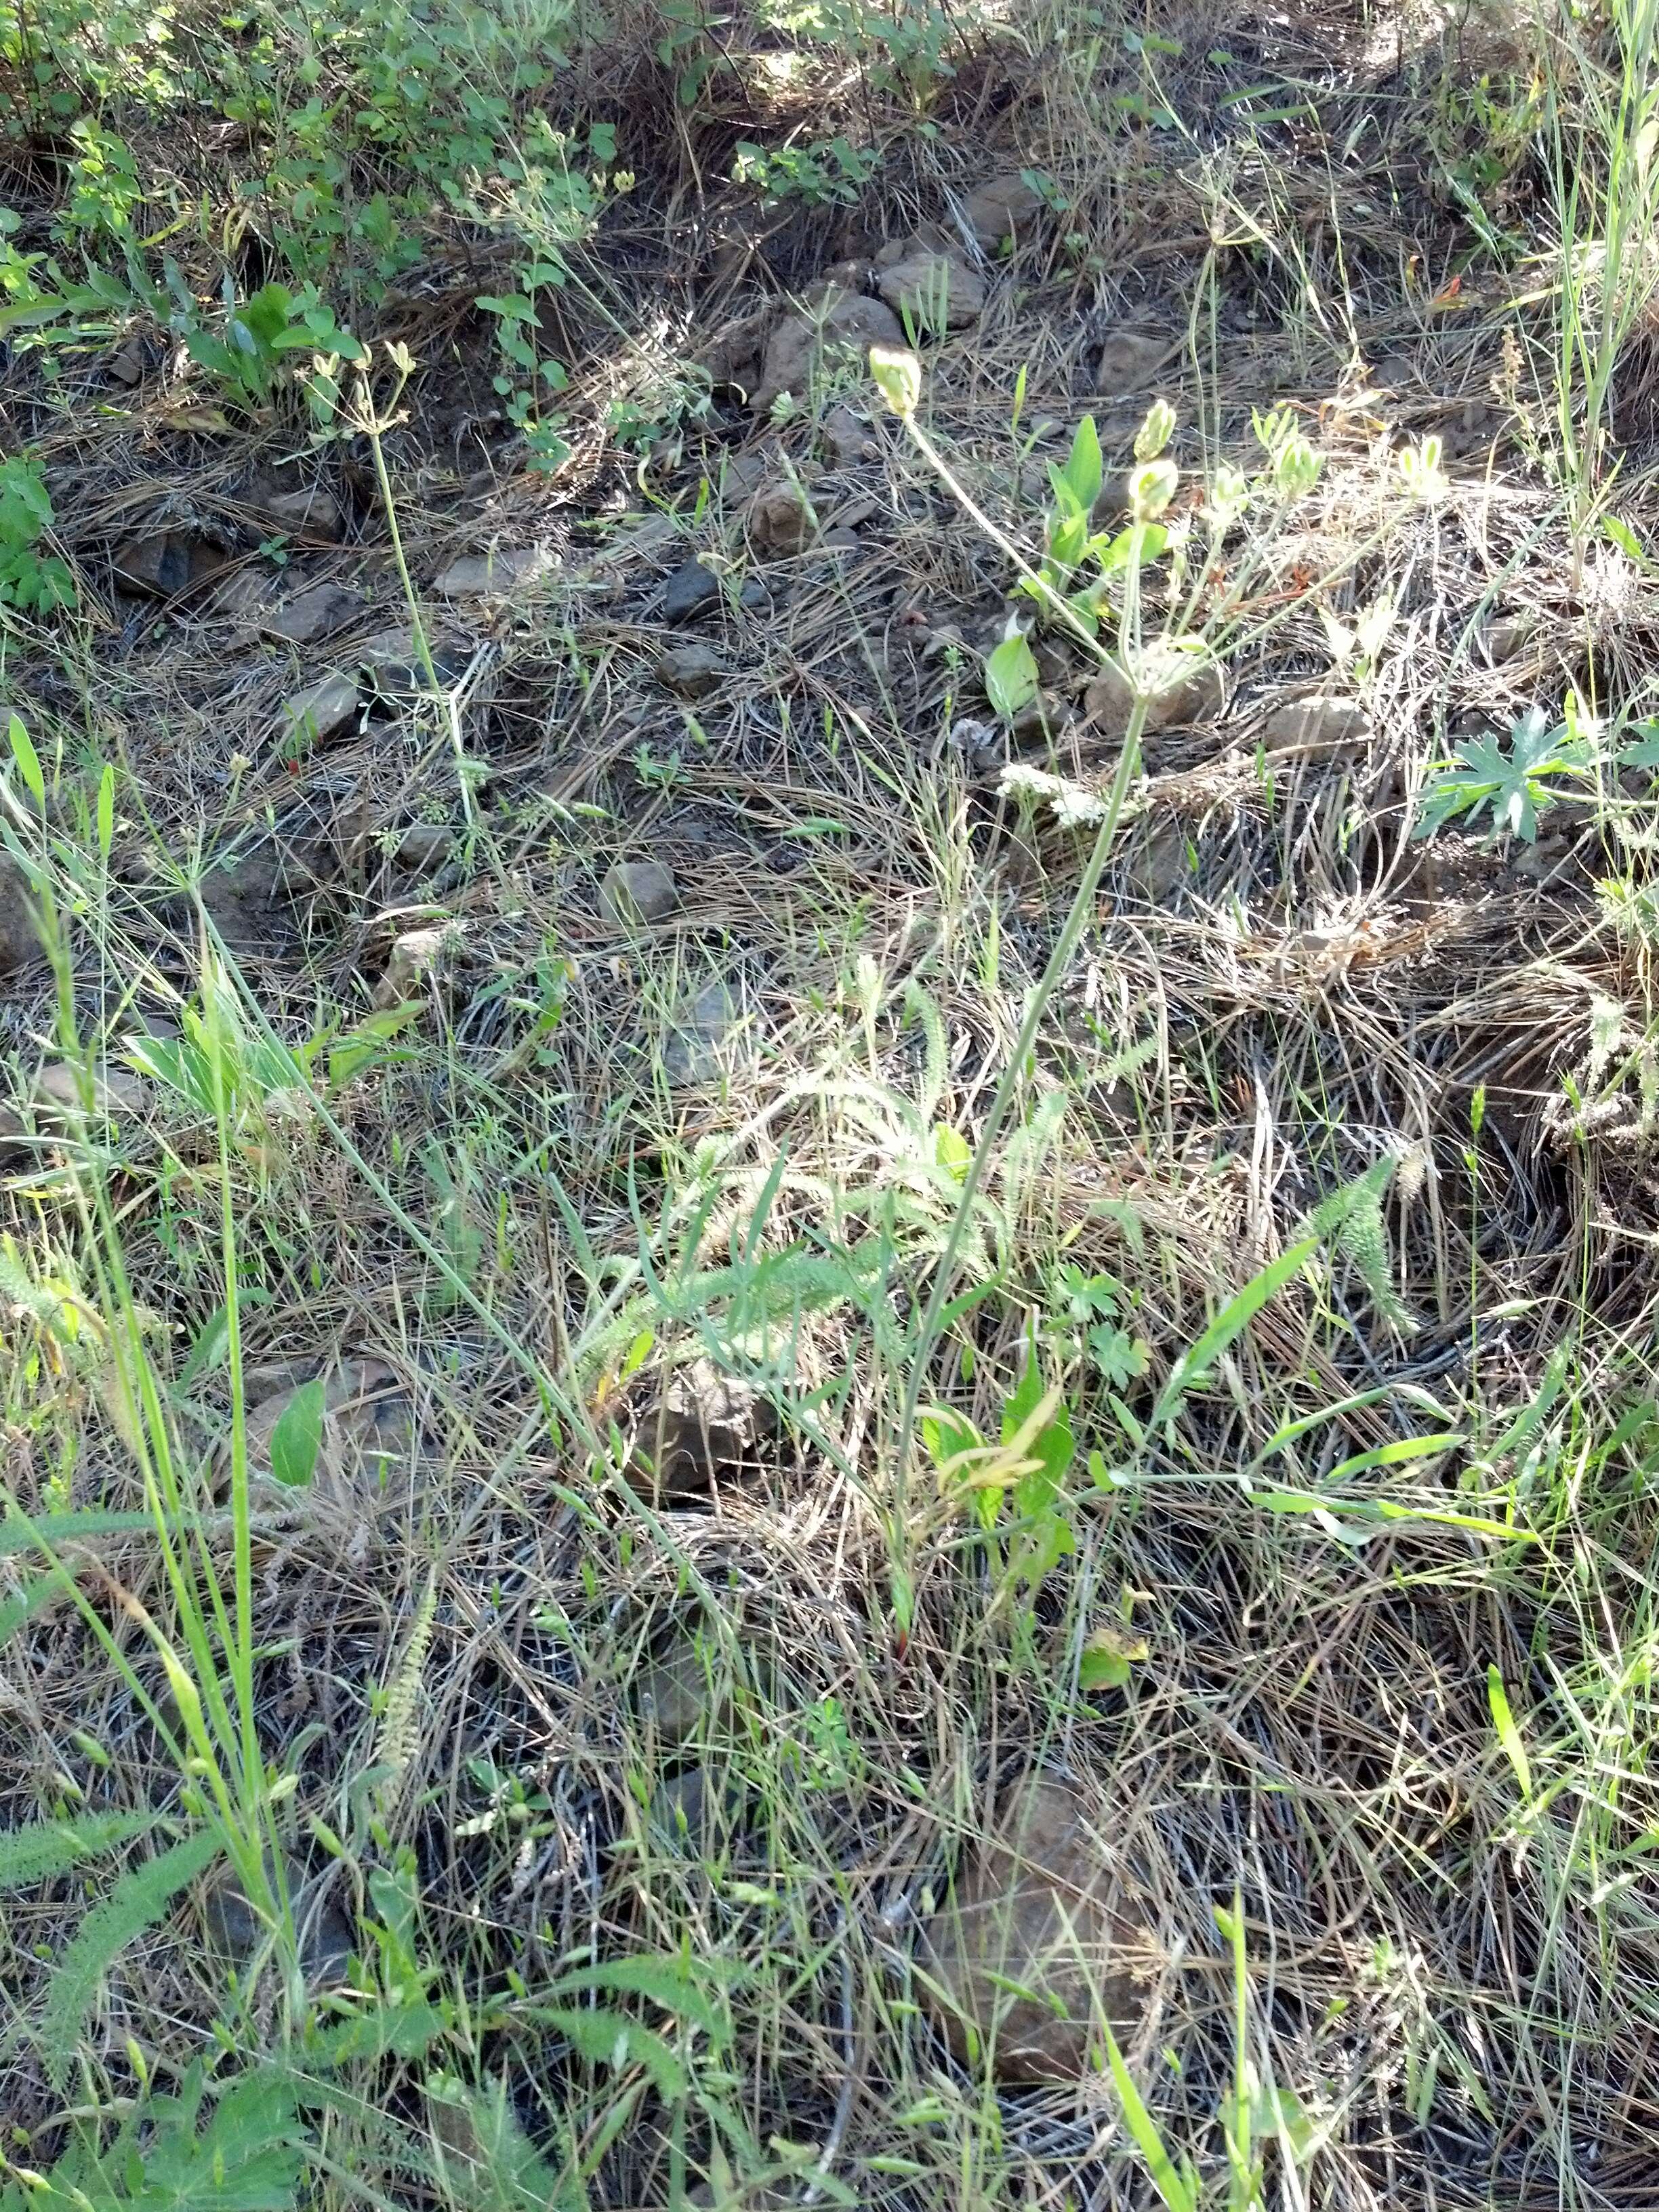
<point>493,2161</point>
<point>1351,1220</point>
<point>136,1903</point>
<point>37,1853</point>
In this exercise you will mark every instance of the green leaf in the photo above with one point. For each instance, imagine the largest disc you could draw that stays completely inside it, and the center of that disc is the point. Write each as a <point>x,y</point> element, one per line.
<point>1178,2191</point>
<point>28,762</point>
<point>952,1151</point>
<point>610,2038</point>
<point>1622,535</point>
<point>1010,677</point>
<point>1052,1447</point>
<point>39,1851</point>
<point>297,1437</point>
<point>1235,1316</point>
<point>106,811</point>
<point>140,1898</point>
<point>1481,774</point>
<point>1508,1734</point>
<point>1084,471</point>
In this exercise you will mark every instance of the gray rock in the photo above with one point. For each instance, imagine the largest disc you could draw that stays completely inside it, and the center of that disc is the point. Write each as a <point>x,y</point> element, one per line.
<point>937,291</point>
<point>415,958</point>
<point>692,1810</point>
<point>639,891</point>
<point>326,1937</point>
<point>393,670</point>
<point>704,1423</point>
<point>493,573</point>
<point>160,564</point>
<point>1186,688</point>
<point>367,1435</point>
<point>1035,1938</point>
<point>694,1050</point>
<point>19,943</point>
<point>1508,637</point>
<point>1324,723</point>
<point>848,441</point>
<point>1130,361</point>
<point>834,335</point>
<point>248,896</point>
<point>321,711</point>
<point>319,612</point>
<point>691,590</point>
<point>306,511</point>
<point>1002,208</point>
<point>691,671</point>
<point>424,847</point>
<point>116,1092</point>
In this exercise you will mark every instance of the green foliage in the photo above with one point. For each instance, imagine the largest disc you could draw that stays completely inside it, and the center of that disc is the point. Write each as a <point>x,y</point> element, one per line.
<point>1515,786</point>
<point>1351,1220</point>
<point>139,1900</point>
<point>248,352</point>
<point>38,1853</point>
<point>244,2153</point>
<point>828,172</point>
<point>34,581</point>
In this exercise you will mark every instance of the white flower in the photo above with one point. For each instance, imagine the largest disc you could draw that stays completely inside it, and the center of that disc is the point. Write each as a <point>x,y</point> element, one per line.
<point>1074,808</point>
<point>1019,781</point>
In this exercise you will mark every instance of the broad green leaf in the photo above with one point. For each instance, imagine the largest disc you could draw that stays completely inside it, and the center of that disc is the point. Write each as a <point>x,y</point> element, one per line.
<point>1051,1447</point>
<point>28,762</point>
<point>1084,471</point>
<point>1622,535</point>
<point>1010,677</point>
<point>297,1437</point>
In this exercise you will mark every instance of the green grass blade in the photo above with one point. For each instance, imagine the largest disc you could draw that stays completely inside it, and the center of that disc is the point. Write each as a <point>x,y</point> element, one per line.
<point>1229,1323</point>
<point>1175,2189</point>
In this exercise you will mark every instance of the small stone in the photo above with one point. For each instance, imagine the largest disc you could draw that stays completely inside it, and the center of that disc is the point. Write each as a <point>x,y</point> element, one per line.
<point>19,943</point>
<point>704,1424</point>
<point>1509,637</point>
<point>937,291</point>
<point>1130,361</point>
<point>674,1696</point>
<point>1185,687</point>
<point>780,520</point>
<point>843,328</point>
<point>415,958</point>
<point>116,1091</point>
<point>982,745</point>
<point>316,613</point>
<point>424,847</point>
<point>368,1436</point>
<point>694,1052</point>
<point>307,511</point>
<point>1035,1939</point>
<point>1003,208</point>
<point>1324,723</point>
<point>845,545</point>
<point>1160,858</point>
<point>162,565</point>
<point>691,671</point>
<point>491,574</point>
<point>846,441</point>
<point>321,711</point>
<point>692,590</point>
<point>128,363</point>
<point>391,667</point>
<point>639,891</point>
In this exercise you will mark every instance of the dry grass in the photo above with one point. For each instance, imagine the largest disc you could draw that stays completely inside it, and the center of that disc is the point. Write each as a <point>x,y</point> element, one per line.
<point>1454,1971</point>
